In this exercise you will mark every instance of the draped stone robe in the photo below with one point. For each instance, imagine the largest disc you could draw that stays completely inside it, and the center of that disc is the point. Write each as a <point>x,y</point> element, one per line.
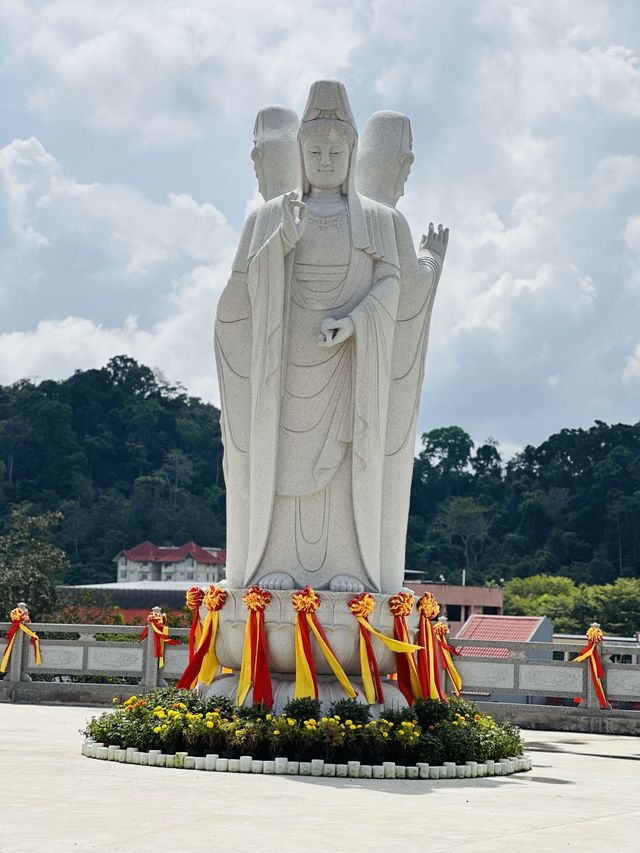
<point>318,415</point>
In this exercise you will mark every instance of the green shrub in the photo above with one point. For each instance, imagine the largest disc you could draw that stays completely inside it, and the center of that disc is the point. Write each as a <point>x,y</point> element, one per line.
<point>351,709</point>
<point>303,709</point>
<point>431,731</point>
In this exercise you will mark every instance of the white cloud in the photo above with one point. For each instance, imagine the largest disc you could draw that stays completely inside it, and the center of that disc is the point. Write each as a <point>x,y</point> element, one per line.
<point>631,370</point>
<point>100,250</point>
<point>160,71</point>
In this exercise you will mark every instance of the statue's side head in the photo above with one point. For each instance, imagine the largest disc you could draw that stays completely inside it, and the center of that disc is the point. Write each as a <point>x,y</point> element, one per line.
<point>385,157</point>
<point>328,138</point>
<point>275,154</point>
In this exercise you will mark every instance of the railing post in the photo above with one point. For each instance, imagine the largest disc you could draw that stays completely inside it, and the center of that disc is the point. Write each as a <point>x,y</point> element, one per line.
<point>150,679</point>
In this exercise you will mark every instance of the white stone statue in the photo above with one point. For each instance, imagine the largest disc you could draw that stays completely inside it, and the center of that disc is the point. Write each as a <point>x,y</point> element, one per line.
<point>385,158</point>
<point>276,162</point>
<point>320,340</point>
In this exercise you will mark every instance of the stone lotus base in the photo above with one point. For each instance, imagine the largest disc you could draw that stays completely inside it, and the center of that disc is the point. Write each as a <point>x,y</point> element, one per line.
<point>317,767</point>
<point>338,622</point>
<point>329,691</point>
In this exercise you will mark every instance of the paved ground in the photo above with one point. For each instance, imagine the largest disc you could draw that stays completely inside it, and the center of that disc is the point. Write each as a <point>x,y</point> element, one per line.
<point>584,793</point>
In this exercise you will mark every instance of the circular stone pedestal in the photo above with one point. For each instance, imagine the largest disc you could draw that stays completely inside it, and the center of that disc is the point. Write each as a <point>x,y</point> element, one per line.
<point>329,691</point>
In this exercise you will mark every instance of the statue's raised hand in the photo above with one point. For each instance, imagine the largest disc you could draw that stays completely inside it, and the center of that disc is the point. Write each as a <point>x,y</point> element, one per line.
<point>435,244</point>
<point>293,213</point>
<point>334,332</point>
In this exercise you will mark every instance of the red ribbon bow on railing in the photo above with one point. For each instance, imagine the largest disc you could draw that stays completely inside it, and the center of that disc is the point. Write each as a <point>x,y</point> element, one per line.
<point>19,618</point>
<point>255,665</point>
<point>305,603</point>
<point>590,652</point>
<point>157,621</point>
<point>428,669</point>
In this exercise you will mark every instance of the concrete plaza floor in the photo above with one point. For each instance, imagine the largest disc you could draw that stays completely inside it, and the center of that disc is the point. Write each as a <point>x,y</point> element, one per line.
<point>583,793</point>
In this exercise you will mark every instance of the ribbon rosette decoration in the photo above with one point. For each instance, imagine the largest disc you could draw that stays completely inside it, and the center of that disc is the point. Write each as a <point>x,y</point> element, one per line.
<point>362,606</point>
<point>194,599</point>
<point>203,666</point>
<point>305,603</point>
<point>428,669</point>
<point>157,621</point>
<point>401,606</point>
<point>446,650</point>
<point>19,618</point>
<point>590,652</point>
<point>255,666</point>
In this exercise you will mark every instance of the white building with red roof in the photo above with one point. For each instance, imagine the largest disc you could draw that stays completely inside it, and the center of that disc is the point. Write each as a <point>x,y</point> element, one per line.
<point>188,562</point>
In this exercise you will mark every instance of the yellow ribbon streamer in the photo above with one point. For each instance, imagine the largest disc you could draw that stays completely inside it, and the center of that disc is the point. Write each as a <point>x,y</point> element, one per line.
<point>210,663</point>
<point>244,681</point>
<point>390,643</point>
<point>333,662</point>
<point>367,678</point>
<point>305,684</point>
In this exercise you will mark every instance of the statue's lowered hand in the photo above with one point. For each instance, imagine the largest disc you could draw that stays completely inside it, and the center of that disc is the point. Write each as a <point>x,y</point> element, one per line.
<point>293,213</point>
<point>434,243</point>
<point>334,332</point>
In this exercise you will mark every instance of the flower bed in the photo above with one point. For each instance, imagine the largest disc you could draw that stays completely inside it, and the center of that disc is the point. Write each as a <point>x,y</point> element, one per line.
<point>431,732</point>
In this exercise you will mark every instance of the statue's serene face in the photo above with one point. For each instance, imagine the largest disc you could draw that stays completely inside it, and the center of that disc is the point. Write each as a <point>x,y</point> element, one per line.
<point>326,159</point>
<point>406,162</point>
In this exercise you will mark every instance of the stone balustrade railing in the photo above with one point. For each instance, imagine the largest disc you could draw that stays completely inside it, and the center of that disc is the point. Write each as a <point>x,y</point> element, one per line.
<point>528,675</point>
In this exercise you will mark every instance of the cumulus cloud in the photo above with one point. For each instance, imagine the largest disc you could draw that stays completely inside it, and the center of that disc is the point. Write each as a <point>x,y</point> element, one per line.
<point>161,70</point>
<point>94,250</point>
<point>525,119</point>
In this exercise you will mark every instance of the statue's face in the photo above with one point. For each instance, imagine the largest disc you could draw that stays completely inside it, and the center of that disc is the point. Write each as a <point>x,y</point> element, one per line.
<point>326,159</point>
<point>406,162</point>
<point>256,156</point>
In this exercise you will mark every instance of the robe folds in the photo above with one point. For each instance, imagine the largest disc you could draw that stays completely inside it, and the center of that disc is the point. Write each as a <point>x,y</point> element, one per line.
<point>310,440</point>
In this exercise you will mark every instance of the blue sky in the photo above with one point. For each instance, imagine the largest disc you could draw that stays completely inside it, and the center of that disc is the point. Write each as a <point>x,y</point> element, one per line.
<point>125,175</point>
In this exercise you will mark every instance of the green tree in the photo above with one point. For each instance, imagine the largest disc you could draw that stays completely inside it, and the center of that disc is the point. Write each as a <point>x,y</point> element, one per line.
<point>30,565</point>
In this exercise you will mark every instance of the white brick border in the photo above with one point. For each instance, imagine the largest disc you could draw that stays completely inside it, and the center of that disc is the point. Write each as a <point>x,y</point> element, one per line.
<point>316,767</point>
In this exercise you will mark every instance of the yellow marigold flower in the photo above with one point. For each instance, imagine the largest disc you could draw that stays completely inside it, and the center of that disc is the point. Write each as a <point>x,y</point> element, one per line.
<point>352,727</point>
<point>209,724</point>
<point>115,700</point>
<point>324,719</point>
<point>385,734</point>
<point>157,729</point>
<point>359,726</point>
<point>336,716</point>
<point>478,717</point>
<point>276,731</point>
<point>347,722</point>
<point>269,717</point>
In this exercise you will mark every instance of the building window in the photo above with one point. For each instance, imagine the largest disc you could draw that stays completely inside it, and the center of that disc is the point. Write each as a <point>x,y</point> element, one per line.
<point>557,655</point>
<point>144,577</point>
<point>491,611</point>
<point>454,612</point>
<point>189,576</point>
<point>123,575</point>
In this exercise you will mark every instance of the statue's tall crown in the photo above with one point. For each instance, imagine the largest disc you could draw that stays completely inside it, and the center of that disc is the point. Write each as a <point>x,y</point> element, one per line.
<point>328,99</point>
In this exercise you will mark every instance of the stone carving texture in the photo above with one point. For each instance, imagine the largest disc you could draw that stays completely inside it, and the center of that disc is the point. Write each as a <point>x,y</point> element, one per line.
<point>109,658</point>
<point>320,338</point>
<point>59,658</point>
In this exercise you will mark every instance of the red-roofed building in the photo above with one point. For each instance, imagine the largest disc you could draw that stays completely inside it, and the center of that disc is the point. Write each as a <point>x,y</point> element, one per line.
<point>188,562</point>
<point>507,629</point>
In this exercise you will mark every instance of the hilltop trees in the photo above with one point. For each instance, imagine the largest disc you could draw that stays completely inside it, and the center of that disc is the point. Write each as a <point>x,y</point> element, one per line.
<point>125,456</point>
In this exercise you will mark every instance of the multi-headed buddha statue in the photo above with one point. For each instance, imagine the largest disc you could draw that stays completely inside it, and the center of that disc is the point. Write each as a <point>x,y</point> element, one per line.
<point>321,336</point>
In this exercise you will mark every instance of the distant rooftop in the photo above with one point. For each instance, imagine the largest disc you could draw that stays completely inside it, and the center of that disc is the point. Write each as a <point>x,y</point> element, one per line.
<point>518,629</point>
<point>148,552</point>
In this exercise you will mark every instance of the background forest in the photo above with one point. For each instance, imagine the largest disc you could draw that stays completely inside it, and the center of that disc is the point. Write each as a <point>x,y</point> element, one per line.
<point>124,456</point>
